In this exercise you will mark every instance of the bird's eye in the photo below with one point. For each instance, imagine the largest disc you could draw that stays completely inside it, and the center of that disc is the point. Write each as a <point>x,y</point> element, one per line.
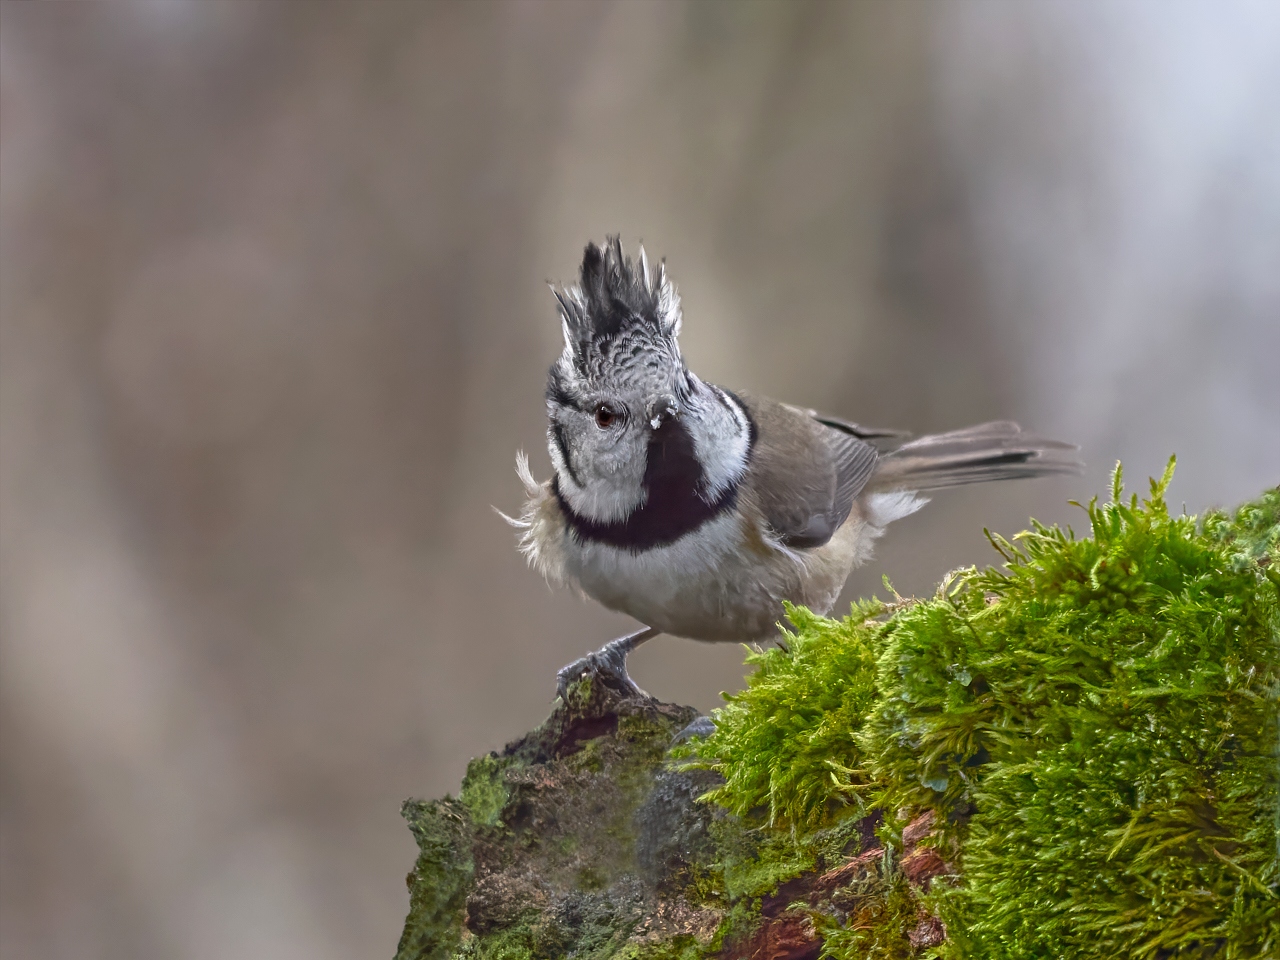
<point>605,415</point>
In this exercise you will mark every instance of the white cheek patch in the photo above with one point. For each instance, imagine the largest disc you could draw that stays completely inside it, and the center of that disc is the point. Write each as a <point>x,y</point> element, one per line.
<point>607,493</point>
<point>722,444</point>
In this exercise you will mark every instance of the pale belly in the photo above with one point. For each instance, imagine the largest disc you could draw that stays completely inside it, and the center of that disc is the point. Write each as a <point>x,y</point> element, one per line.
<point>723,583</point>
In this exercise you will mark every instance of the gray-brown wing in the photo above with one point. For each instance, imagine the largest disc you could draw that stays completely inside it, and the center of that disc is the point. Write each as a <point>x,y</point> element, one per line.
<point>855,463</point>
<point>804,475</point>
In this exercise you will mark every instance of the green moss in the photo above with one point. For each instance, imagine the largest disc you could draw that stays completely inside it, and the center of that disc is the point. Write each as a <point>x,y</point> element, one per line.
<point>677,948</point>
<point>1125,689</point>
<point>786,743</point>
<point>647,732</point>
<point>758,868</point>
<point>511,943</point>
<point>1095,724</point>
<point>440,879</point>
<point>485,792</point>
<point>736,926</point>
<point>880,911</point>
<point>1250,536</point>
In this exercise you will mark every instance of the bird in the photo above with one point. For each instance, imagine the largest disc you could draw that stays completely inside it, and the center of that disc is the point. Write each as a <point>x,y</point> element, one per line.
<point>698,510</point>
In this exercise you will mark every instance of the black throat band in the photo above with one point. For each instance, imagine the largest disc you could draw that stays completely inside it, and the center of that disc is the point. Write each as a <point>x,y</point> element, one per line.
<point>673,508</point>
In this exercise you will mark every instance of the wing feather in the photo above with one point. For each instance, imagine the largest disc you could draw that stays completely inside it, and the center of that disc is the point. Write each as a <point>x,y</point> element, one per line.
<point>805,473</point>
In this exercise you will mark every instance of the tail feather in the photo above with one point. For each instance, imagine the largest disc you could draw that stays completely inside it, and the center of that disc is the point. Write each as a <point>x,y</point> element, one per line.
<point>999,450</point>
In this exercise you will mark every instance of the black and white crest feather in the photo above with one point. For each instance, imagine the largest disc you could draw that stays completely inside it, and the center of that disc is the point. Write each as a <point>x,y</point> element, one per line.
<point>616,300</point>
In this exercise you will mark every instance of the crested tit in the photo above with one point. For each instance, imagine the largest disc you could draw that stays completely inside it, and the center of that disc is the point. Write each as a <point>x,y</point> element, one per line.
<point>698,510</point>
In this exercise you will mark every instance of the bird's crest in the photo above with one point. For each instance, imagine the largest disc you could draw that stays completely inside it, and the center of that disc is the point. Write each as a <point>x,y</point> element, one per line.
<point>619,309</point>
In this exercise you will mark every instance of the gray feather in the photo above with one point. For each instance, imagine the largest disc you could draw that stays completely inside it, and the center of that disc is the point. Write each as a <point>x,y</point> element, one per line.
<point>856,429</point>
<point>1000,450</point>
<point>855,465</point>
<point>804,474</point>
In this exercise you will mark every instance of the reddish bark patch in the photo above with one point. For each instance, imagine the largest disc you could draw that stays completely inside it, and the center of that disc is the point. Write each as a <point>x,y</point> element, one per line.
<point>923,865</point>
<point>787,938</point>
<point>797,888</point>
<point>929,932</point>
<point>846,874</point>
<point>917,829</point>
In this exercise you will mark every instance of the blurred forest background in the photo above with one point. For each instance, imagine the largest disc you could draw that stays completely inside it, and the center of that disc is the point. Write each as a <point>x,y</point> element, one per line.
<point>275,323</point>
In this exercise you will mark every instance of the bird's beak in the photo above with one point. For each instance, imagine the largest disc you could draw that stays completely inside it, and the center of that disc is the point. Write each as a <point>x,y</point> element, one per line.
<point>662,409</point>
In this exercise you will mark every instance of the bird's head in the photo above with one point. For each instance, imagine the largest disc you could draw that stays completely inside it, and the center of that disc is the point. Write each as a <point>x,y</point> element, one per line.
<point>624,410</point>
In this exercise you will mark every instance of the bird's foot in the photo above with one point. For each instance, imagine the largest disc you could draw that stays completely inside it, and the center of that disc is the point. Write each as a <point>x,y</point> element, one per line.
<point>608,665</point>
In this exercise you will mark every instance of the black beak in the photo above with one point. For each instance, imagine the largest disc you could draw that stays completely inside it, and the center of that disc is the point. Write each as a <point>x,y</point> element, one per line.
<point>662,409</point>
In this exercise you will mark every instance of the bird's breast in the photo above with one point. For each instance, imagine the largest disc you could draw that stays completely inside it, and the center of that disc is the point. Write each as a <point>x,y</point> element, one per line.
<point>707,585</point>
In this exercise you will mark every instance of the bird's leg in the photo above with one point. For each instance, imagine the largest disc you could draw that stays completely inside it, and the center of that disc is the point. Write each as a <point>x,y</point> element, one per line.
<point>609,663</point>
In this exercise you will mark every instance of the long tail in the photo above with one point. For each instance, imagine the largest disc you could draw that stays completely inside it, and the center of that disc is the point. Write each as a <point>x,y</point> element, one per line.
<point>999,450</point>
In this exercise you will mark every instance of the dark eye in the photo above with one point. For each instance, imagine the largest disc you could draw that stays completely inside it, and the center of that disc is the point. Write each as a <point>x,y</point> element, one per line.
<point>605,415</point>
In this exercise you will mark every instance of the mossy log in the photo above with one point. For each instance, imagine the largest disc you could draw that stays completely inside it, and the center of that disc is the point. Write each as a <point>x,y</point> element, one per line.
<point>1076,756</point>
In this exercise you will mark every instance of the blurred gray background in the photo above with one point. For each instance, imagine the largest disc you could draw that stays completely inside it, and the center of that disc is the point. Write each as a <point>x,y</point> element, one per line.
<point>275,323</point>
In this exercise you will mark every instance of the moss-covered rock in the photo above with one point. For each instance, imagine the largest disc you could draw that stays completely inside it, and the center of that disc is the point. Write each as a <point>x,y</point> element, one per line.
<point>1076,755</point>
<point>441,879</point>
<point>575,840</point>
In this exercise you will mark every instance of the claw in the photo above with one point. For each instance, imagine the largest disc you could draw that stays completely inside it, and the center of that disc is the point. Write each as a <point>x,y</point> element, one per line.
<point>609,664</point>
